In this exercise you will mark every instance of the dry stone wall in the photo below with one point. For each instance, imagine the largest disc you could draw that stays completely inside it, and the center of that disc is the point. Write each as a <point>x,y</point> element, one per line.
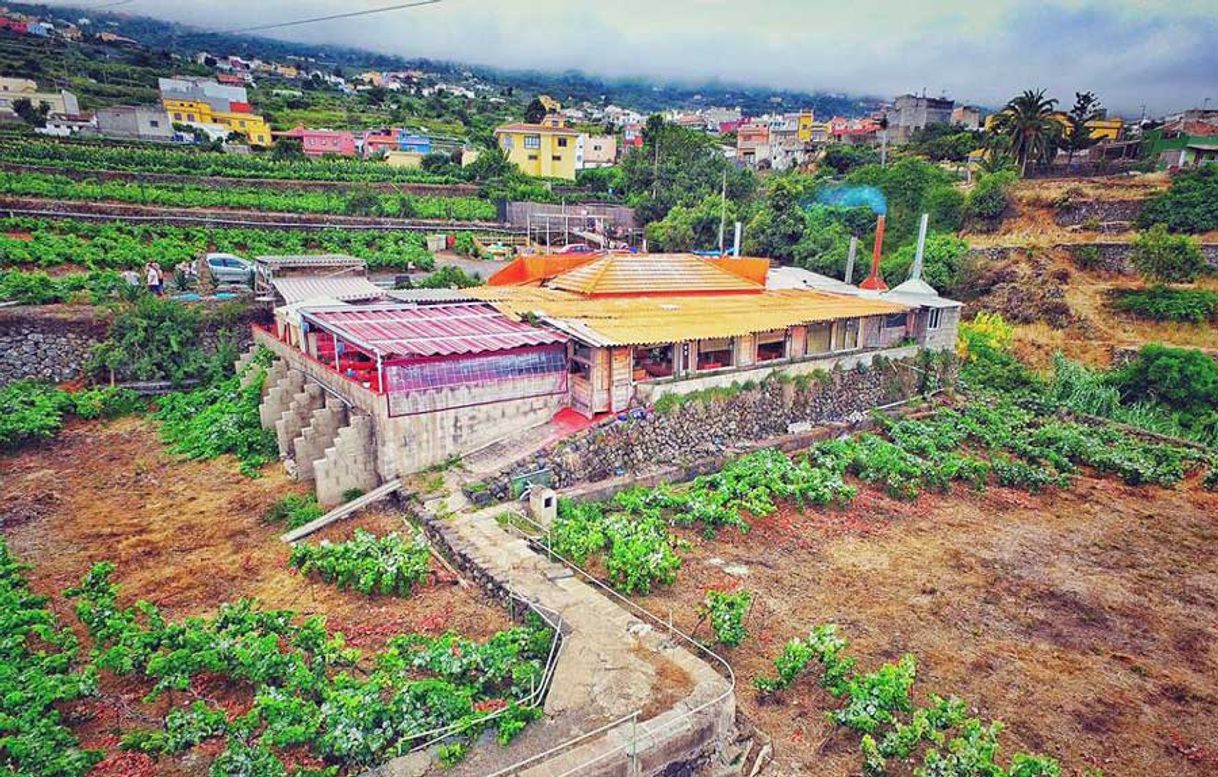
<point>703,427</point>
<point>54,342</point>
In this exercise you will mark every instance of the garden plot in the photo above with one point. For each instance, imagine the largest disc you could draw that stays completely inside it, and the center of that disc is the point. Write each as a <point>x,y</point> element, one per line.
<point>1084,615</point>
<point>187,537</point>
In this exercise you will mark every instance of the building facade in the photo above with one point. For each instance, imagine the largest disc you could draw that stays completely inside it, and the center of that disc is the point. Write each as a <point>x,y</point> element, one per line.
<point>134,122</point>
<point>542,150</point>
<point>911,112</point>
<point>200,101</point>
<point>322,142</point>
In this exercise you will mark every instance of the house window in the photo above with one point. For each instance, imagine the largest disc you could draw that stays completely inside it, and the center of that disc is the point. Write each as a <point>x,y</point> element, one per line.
<point>715,354</point>
<point>562,142</point>
<point>190,117</point>
<point>820,339</point>
<point>894,321</point>
<point>653,362</point>
<point>556,158</point>
<point>153,123</point>
<point>177,117</point>
<point>581,362</point>
<point>846,335</point>
<point>532,141</point>
<point>532,157</point>
<point>506,142</point>
<point>934,317</point>
<point>772,345</point>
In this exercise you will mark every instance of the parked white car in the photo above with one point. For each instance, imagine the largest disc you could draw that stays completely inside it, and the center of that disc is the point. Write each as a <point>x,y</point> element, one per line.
<point>228,268</point>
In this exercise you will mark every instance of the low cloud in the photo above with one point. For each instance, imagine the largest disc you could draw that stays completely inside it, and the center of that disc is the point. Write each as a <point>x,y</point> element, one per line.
<point>1130,53</point>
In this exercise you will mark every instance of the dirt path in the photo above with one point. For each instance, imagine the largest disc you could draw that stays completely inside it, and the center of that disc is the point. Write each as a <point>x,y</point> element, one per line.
<point>1086,620</point>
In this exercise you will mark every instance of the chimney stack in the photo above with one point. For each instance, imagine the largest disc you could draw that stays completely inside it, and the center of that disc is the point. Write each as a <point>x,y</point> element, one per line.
<point>874,282</point>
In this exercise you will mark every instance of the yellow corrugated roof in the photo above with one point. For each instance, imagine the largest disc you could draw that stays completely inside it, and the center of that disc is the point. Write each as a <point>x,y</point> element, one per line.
<point>650,274</point>
<point>652,320</point>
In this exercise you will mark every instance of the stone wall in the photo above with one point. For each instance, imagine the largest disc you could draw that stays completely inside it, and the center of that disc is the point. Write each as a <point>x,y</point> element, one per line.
<point>700,428</point>
<point>1109,215</point>
<point>48,342</point>
<point>53,342</point>
<point>1104,256</point>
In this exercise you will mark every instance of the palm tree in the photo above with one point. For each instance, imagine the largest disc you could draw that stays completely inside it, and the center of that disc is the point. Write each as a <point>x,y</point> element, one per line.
<point>1029,128</point>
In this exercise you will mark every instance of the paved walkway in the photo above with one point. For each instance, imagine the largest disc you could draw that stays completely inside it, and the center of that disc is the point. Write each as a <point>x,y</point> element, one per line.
<point>612,663</point>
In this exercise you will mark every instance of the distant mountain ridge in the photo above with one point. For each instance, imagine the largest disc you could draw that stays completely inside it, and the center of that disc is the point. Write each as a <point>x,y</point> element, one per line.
<point>571,86</point>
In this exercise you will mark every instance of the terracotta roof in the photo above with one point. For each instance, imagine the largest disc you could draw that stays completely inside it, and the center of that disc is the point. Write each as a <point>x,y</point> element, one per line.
<point>652,320</point>
<point>651,274</point>
<point>522,127</point>
<point>432,330</point>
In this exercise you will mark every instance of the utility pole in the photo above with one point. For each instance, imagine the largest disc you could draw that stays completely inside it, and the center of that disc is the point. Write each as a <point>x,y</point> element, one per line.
<point>722,212</point>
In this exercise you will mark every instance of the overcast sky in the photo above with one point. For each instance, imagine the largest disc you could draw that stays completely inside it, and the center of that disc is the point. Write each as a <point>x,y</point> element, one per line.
<point>1161,54</point>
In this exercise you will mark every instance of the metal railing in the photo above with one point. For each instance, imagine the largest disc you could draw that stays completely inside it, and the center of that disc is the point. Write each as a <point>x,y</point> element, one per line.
<point>631,747</point>
<point>535,697</point>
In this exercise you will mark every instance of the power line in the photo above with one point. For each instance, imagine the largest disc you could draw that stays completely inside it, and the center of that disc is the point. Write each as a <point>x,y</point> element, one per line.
<point>107,5</point>
<point>313,20</point>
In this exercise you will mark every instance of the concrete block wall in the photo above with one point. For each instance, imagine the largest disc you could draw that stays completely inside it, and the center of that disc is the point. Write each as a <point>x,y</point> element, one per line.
<point>319,435</point>
<point>297,416</point>
<point>279,397</point>
<point>349,463</point>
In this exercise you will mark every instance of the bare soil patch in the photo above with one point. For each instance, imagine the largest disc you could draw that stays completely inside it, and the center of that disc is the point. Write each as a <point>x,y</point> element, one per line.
<point>1087,620</point>
<point>189,536</point>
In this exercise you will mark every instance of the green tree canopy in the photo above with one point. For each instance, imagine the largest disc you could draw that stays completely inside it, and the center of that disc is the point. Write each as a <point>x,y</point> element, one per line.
<point>1027,129</point>
<point>678,166</point>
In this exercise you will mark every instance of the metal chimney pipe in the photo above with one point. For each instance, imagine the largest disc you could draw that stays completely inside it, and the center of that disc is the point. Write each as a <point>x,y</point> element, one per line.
<point>915,273</point>
<point>854,249</point>
<point>874,282</point>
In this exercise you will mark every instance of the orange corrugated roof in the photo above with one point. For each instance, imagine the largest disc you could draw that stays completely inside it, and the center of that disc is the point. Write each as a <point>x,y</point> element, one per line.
<point>666,319</point>
<point>628,274</point>
<point>534,269</point>
<point>748,267</point>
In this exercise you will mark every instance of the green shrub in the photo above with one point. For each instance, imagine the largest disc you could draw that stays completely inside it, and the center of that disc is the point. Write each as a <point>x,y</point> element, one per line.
<point>154,339</point>
<point>726,610</point>
<point>1164,303</point>
<point>943,261</point>
<point>386,565</point>
<point>1166,257</point>
<point>30,411</point>
<point>107,402</point>
<point>1189,205</point>
<point>1184,380</point>
<point>294,510</point>
<point>219,418</point>
<point>990,197</point>
<point>1087,257</point>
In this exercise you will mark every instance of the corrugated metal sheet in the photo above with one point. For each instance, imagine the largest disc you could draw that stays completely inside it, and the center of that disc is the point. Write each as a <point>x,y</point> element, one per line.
<point>340,287</point>
<point>431,295</point>
<point>433,330</point>
<point>278,262</point>
<point>653,320</point>
<point>651,274</point>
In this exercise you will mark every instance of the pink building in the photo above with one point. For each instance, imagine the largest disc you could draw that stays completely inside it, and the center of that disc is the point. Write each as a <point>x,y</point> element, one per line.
<point>319,142</point>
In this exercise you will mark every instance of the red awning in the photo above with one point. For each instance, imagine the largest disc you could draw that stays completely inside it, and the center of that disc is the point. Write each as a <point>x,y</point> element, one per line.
<point>432,330</point>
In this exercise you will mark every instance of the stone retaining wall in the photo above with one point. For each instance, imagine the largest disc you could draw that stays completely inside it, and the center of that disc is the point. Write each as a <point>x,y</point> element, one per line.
<point>220,217</point>
<point>278,184</point>
<point>1106,257</point>
<point>705,428</point>
<point>1101,212</point>
<point>53,342</point>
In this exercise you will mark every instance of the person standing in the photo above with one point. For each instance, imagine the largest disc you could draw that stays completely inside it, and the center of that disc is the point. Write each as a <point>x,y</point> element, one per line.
<point>150,277</point>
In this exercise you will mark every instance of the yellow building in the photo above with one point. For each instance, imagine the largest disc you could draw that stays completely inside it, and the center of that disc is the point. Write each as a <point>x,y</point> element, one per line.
<point>251,125</point>
<point>803,129</point>
<point>544,150</point>
<point>1106,128</point>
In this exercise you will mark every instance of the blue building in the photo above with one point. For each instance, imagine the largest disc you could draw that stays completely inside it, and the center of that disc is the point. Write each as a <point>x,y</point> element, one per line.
<point>420,144</point>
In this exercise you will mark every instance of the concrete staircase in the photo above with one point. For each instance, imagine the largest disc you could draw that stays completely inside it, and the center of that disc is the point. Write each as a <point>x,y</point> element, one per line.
<point>320,438</point>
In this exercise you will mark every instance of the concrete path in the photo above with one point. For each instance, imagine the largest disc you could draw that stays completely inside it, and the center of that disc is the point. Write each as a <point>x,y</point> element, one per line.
<point>612,663</point>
